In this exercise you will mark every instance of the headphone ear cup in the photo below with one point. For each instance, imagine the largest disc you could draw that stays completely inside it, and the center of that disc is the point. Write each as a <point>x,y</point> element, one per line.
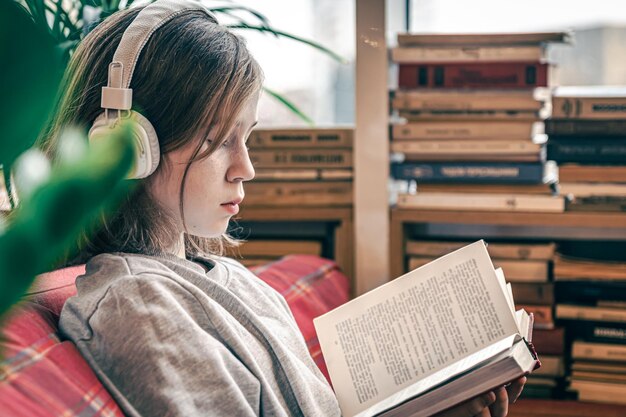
<point>145,142</point>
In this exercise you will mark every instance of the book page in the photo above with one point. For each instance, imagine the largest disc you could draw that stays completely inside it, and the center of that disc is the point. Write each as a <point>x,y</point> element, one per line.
<point>413,326</point>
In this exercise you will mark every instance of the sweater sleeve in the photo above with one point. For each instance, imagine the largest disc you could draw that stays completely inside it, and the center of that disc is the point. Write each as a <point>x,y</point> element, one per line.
<point>153,340</point>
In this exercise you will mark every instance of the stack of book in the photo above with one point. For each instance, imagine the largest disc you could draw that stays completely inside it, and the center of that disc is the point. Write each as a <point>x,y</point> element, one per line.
<point>472,116</point>
<point>527,267</point>
<point>591,300</point>
<point>301,167</point>
<point>587,138</point>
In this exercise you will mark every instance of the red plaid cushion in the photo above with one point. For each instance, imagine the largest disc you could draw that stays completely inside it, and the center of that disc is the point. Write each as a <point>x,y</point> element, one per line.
<point>312,286</point>
<point>42,376</point>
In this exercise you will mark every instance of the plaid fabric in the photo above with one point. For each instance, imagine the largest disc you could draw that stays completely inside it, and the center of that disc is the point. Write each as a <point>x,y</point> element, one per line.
<point>42,376</point>
<point>311,286</point>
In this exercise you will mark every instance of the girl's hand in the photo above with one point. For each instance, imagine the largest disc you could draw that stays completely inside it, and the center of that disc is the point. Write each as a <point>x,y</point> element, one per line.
<point>492,404</point>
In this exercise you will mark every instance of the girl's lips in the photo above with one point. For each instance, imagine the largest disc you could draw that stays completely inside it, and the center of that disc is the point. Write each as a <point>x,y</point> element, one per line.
<point>232,206</point>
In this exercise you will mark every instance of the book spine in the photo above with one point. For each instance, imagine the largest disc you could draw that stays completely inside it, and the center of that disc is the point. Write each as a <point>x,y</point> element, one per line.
<point>473,75</point>
<point>603,314</point>
<point>483,39</point>
<point>470,173</point>
<point>589,108</point>
<point>589,292</point>
<point>305,158</point>
<point>597,332</point>
<point>587,151</point>
<point>560,127</point>
<point>480,202</point>
<point>326,138</point>
<point>464,54</point>
<point>549,341</point>
<point>533,293</point>
<point>462,130</point>
<point>409,100</point>
<point>335,193</point>
<point>492,147</point>
<point>468,115</point>
<point>544,319</point>
<point>606,352</point>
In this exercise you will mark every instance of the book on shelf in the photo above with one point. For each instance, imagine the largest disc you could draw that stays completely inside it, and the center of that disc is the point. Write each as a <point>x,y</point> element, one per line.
<point>589,128</point>
<point>587,291</point>
<point>516,270</point>
<point>569,172</point>
<point>475,172</point>
<point>597,366</point>
<point>533,189</point>
<point>533,292</point>
<point>301,138</point>
<point>251,262</point>
<point>581,189</point>
<point>258,248</point>
<point>590,313</point>
<point>482,202</point>
<point>301,158</point>
<point>549,341</point>
<point>468,115</point>
<point>478,150</point>
<point>597,376</point>
<point>551,366</point>
<point>597,204</point>
<point>596,151</point>
<point>569,268</point>
<point>597,331</point>
<point>543,315</point>
<point>467,53</point>
<point>311,174</point>
<point>594,391</point>
<point>497,250</point>
<point>428,340</point>
<point>589,102</point>
<point>315,193</point>
<point>606,352</point>
<point>479,75</point>
<point>466,100</point>
<point>448,39</point>
<point>457,130</point>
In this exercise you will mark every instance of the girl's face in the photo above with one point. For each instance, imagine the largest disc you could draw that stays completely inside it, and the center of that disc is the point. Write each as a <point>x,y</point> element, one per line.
<point>214,186</point>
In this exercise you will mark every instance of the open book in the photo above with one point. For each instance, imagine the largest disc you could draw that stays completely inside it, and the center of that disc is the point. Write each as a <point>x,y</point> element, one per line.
<point>428,340</point>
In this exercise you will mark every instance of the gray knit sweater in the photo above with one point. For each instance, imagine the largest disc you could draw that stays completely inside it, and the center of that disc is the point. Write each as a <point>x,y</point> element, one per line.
<point>169,339</point>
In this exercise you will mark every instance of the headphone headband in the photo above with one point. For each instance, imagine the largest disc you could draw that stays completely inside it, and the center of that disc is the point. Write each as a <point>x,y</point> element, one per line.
<point>118,95</point>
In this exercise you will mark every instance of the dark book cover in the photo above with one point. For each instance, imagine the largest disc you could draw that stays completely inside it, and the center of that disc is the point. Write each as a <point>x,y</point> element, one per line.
<point>549,341</point>
<point>594,331</point>
<point>597,151</point>
<point>589,292</point>
<point>566,127</point>
<point>471,173</point>
<point>533,293</point>
<point>474,75</point>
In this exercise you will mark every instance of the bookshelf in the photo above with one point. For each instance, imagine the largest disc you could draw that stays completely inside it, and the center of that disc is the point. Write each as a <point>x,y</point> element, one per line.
<point>609,224</point>
<point>338,220</point>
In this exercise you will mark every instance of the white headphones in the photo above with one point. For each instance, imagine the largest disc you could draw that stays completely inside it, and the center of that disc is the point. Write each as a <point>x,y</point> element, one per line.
<point>118,97</point>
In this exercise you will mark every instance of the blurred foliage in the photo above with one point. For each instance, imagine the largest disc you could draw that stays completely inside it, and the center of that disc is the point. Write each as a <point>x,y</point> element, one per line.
<point>51,215</point>
<point>68,21</point>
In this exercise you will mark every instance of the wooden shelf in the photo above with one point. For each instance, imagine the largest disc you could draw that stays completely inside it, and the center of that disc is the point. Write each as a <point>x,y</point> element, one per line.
<point>567,219</point>
<point>343,232</point>
<point>615,222</point>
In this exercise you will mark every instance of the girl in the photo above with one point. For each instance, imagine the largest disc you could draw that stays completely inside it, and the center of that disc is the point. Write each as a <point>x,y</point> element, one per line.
<point>169,326</point>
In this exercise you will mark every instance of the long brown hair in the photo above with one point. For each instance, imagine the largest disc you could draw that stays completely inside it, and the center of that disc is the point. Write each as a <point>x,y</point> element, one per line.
<point>193,76</point>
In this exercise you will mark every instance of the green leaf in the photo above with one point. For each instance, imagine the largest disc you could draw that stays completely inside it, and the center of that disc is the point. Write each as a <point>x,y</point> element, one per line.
<point>50,221</point>
<point>289,105</point>
<point>31,74</point>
